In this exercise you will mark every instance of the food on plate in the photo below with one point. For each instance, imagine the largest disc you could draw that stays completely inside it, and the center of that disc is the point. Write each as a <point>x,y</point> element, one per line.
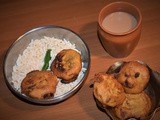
<point>123,89</point>
<point>107,90</point>
<point>134,76</point>
<point>39,52</point>
<point>134,106</point>
<point>39,84</point>
<point>67,65</point>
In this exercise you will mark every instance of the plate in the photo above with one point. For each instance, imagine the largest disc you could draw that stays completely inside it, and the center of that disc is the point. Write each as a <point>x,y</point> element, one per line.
<point>152,90</point>
<point>38,33</point>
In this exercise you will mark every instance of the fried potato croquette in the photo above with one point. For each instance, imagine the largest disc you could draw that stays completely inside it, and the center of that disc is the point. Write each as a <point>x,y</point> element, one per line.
<point>107,90</point>
<point>134,77</point>
<point>67,65</point>
<point>134,106</point>
<point>39,84</point>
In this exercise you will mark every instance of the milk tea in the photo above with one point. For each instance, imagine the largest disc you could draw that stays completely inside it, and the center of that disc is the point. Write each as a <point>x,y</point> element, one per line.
<point>119,22</point>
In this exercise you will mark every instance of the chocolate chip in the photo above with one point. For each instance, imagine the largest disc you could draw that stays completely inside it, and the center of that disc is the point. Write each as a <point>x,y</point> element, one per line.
<point>126,83</point>
<point>91,86</point>
<point>137,75</point>
<point>48,95</point>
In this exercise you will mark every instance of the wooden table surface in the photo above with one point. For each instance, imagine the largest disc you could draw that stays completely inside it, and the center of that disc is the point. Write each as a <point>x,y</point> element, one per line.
<point>19,16</point>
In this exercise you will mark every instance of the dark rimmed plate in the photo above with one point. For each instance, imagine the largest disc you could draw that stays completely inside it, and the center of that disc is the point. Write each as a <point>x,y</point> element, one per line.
<point>152,90</point>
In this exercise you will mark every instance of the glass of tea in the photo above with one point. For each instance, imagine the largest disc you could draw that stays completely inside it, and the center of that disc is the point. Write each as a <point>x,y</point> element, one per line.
<point>119,28</point>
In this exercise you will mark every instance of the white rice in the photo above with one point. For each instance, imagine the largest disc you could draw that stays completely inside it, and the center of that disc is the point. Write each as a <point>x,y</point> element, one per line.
<point>32,58</point>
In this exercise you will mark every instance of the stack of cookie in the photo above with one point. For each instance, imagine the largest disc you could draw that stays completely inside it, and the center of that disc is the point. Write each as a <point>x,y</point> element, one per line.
<point>125,92</point>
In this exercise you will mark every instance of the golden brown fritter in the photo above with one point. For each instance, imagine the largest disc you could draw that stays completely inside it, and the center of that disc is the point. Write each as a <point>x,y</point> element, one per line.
<point>134,106</point>
<point>67,65</point>
<point>134,77</point>
<point>39,84</point>
<point>107,90</point>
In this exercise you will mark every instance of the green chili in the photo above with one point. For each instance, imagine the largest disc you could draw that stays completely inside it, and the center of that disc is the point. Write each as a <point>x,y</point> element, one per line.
<point>47,59</point>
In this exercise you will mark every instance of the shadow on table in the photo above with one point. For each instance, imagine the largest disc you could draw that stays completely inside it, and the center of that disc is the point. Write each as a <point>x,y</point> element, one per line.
<point>87,102</point>
<point>89,33</point>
